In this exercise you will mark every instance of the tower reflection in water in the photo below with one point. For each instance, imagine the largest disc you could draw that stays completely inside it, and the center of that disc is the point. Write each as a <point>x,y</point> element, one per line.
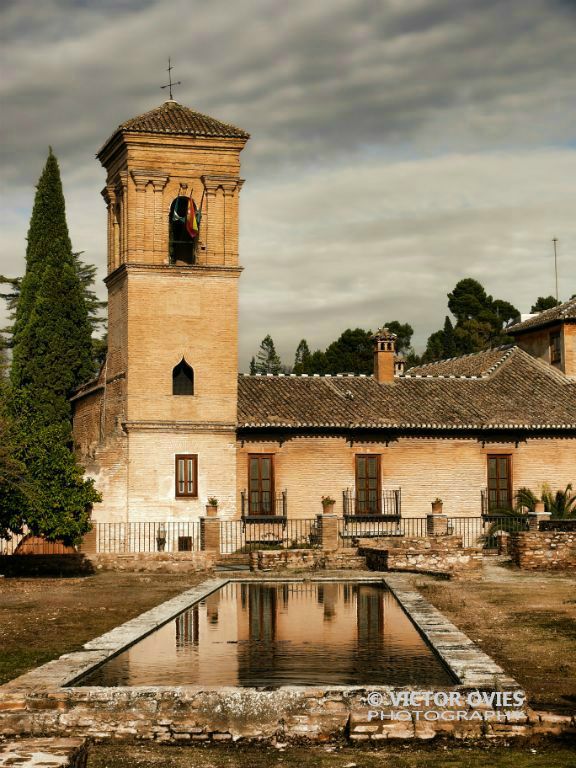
<point>272,634</point>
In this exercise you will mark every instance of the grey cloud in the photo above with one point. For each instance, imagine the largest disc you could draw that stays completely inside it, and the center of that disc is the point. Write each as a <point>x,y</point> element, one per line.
<point>344,88</point>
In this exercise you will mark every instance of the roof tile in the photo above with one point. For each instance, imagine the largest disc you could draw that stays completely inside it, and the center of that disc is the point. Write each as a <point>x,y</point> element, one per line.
<point>518,392</point>
<point>563,312</point>
<point>175,119</point>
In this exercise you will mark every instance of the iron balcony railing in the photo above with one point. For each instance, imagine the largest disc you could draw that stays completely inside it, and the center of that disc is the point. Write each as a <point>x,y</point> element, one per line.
<point>256,507</point>
<point>385,504</point>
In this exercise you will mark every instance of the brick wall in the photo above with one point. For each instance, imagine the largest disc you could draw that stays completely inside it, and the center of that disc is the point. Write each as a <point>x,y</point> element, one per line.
<point>176,313</point>
<point>453,469</point>
<point>151,480</point>
<point>144,178</point>
<point>537,344</point>
<point>543,550</point>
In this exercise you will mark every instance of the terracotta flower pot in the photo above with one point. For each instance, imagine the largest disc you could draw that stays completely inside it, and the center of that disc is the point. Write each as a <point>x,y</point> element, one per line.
<point>211,510</point>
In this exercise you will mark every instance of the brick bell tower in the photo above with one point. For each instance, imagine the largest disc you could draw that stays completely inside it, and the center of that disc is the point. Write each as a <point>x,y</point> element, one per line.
<point>168,392</point>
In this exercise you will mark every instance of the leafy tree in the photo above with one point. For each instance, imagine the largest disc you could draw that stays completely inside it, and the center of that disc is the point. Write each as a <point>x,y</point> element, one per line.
<point>404,333</point>
<point>544,302</point>
<point>52,352</point>
<point>352,352</point>
<point>267,360</point>
<point>41,484</point>
<point>302,358</point>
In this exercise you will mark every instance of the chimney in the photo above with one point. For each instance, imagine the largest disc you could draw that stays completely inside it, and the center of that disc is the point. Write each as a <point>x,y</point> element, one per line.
<point>384,355</point>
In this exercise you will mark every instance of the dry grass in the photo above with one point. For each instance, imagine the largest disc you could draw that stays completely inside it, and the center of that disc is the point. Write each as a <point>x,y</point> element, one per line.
<point>42,618</point>
<point>525,621</point>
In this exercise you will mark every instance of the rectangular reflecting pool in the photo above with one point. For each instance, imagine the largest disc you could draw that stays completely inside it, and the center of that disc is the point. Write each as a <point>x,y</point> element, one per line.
<point>274,634</point>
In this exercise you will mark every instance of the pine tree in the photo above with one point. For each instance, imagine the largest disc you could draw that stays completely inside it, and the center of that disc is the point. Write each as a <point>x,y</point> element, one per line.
<point>267,361</point>
<point>352,352</point>
<point>94,306</point>
<point>302,358</point>
<point>253,366</point>
<point>317,363</point>
<point>434,347</point>
<point>404,333</point>
<point>3,364</point>
<point>52,334</point>
<point>544,302</point>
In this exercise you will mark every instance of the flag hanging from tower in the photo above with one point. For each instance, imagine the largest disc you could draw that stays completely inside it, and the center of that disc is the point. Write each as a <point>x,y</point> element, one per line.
<point>192,219</point>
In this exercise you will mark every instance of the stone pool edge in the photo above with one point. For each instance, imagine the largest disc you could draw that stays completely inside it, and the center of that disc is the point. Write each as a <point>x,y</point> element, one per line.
<point>41,702</point>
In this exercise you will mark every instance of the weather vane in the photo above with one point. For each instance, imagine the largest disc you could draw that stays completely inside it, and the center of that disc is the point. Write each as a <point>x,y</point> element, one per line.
<point>169,84</point>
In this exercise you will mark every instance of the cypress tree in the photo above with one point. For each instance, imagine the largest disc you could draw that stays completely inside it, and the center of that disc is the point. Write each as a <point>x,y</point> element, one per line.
<point>52,355</point>
<point>52,333</point>
<point>449,348</point>
<point>302,357</point>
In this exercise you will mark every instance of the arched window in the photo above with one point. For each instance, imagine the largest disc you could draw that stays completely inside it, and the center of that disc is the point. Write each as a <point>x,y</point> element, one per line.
<point>182,379</point>
<point>182,246</point>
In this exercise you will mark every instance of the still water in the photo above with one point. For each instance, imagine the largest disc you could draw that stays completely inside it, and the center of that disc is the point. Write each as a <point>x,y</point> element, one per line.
<point>282,634</point>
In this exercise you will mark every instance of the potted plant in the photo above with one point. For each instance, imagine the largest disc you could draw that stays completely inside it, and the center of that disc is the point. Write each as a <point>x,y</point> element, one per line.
<point>212,507</point>
<point>437,506</point>
<point>328,505</point>
<point>161,538</point>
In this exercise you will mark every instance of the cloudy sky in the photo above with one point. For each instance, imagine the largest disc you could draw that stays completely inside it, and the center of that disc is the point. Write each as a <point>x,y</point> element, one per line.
<point>397,145</point>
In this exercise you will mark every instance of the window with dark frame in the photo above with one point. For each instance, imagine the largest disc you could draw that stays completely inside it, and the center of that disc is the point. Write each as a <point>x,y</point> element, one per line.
<point>182,379</point>
<point>187,475</point>
<point>261,484</point>
<point>555,348</point>
<point>499,482</point>
<point>368,499</point>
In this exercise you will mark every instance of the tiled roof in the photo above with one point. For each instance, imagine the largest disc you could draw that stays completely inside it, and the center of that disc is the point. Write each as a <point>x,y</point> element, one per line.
<point>563,312</point>
<point>173,118</point>
<point>478,364</point>
<point>519,392</point>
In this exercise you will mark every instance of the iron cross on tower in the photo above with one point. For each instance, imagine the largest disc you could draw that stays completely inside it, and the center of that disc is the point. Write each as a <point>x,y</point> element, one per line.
<point>169,84</point>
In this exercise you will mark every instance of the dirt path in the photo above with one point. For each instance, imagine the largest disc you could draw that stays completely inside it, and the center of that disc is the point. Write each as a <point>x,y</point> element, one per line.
<point>393,756</point>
